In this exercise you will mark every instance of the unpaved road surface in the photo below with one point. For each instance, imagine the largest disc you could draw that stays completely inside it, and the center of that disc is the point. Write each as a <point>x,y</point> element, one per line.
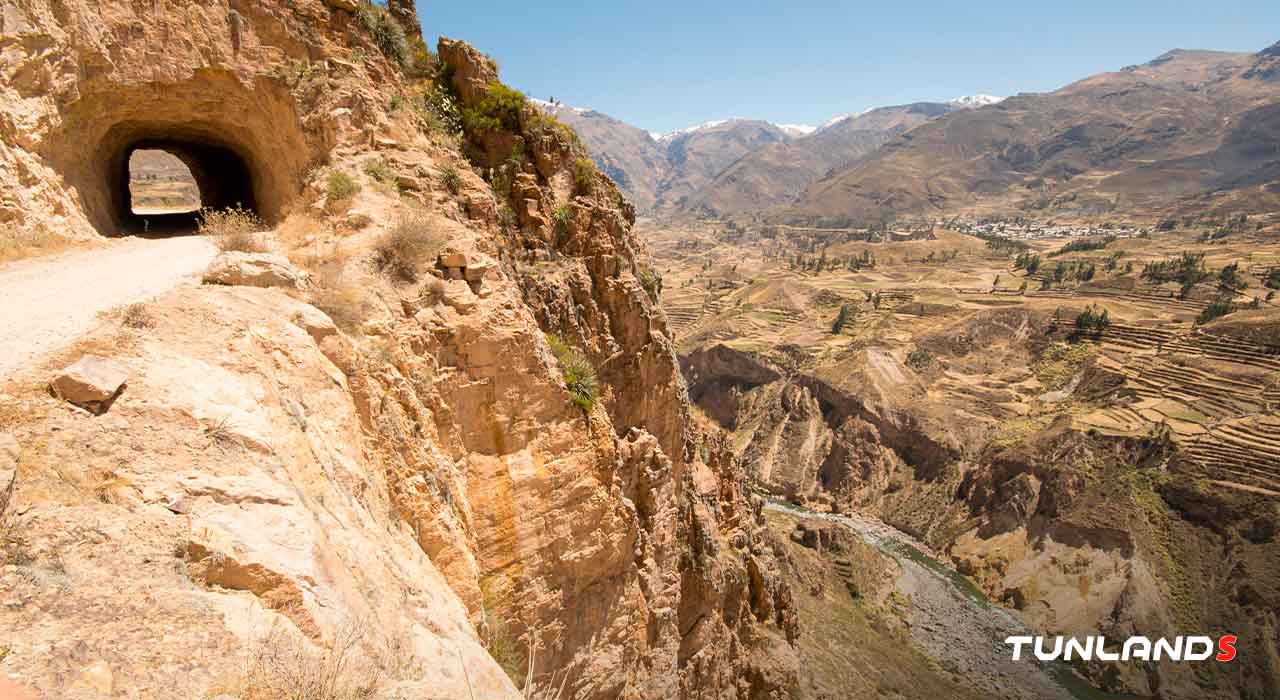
<point>46,303</point>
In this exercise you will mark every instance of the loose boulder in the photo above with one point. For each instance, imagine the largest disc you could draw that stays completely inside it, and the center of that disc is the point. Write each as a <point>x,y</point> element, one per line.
<point>254,270</point>
<point>92,383</point>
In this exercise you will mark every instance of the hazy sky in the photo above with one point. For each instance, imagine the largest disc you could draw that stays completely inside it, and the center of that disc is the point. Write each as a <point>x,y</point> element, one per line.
<point>664,65</point>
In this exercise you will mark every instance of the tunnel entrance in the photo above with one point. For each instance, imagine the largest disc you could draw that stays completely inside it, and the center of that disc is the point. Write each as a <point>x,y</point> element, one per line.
<point>165,182</point>
<point>240,140</point>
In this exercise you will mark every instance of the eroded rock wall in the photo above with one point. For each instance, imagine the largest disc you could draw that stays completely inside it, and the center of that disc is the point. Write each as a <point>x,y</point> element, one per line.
<point>421,474</point>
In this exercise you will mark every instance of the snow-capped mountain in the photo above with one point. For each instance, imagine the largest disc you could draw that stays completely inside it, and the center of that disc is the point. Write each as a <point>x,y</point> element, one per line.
<point>792,130</point>
<point>841,118</point>
<point>975,101</point>
<point>797,130</point>
<point>697,127</point>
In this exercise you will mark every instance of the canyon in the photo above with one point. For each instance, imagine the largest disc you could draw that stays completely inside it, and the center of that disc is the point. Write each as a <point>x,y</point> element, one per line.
<point>445,392</point>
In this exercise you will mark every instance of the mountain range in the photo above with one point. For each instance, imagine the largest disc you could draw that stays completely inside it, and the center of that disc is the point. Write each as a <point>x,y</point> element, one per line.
<point>735,165</point>
<point>1188,130</point>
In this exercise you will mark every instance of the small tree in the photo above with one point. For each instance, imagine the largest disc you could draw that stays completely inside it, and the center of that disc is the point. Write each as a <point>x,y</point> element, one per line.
<point>841,319</point>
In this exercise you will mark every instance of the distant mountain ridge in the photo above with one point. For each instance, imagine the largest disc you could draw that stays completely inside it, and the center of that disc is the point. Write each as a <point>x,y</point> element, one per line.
<point>658,170</point>
<point>1187,130</point>
<point>738,164</point>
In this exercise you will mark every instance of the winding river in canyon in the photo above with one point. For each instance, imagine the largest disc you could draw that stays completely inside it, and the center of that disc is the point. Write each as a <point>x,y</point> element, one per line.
<point>953,621</point>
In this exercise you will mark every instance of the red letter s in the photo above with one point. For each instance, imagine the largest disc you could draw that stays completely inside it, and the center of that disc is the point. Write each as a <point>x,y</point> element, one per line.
<point>1227,648</point>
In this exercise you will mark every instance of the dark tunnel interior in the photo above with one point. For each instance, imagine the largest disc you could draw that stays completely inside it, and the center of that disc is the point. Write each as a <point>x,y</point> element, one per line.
<point>222,176</point>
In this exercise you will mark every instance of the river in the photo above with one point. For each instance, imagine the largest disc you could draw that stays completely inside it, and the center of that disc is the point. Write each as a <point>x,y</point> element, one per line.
<point>954,622</point>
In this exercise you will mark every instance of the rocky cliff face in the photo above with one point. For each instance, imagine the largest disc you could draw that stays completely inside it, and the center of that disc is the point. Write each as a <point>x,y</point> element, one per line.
<point>1082,531</point>
<point>412,490</point>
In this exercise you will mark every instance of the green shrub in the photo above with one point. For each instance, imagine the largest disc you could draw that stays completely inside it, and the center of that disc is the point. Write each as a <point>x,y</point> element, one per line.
<point>385,31</point>
<point>584,175</point>
<point>651,281</point>
<point>450,178</point>
<point>920,359</point>
<point>381,171</point>
<point>842,319</point>
<point>341,186</point>
<point>439,110</point>
<point>579,375</point>
<point>402,250</point>
<point>562,216</point>
<point>1219,308</point>
<point>499,110</point>
<point>420,62</point>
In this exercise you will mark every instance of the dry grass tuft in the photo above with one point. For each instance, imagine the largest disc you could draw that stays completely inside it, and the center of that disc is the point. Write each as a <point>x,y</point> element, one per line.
<point>17,244</point>
<point>547,690</point>
<point>233,229</point>
<point>299,230</point>
<point>283,665</point>
<point>402,251</point>
<point>333,291</point>
<point>137,316</point>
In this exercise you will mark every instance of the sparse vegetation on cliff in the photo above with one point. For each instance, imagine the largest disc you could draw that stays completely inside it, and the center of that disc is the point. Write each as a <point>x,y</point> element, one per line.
<point>280,665</point>
<point>579,375</point>
<point>401,252</point>
<point>584,175</point>
<point>562,216</point>
<point>451,180</point>
<point>340,188</point>
<point>386,32</point>
<point>1060,362</point>
<point>438,110</point>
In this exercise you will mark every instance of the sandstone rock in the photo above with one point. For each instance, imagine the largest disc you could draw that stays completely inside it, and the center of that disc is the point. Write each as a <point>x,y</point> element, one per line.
<point>315,322</point>
<point>481,207</point>
<point>458,294</point>
<point>477,271</point>
<point>92,383</point>
<point>348,5</point>
<point>8,471</point>
<point>237,268</point>
<point>452,258</point>
<point>472,70</point>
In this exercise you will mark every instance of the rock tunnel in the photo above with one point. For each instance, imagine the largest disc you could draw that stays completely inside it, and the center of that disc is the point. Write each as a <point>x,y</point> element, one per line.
<point>222,175</point>
<point>242,143</point>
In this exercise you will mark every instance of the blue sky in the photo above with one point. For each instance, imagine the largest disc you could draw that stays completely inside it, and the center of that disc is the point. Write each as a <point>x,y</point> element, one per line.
<point>663,65</point>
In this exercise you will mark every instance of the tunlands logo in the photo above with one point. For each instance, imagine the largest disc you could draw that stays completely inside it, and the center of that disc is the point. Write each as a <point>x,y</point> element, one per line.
<point>1134,648</point>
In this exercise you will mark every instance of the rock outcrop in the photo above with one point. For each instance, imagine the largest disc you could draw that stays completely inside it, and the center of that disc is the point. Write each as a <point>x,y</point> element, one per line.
<point>254,270</point>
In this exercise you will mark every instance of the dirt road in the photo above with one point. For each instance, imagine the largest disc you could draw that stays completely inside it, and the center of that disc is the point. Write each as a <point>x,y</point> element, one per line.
<point>46,303</point>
